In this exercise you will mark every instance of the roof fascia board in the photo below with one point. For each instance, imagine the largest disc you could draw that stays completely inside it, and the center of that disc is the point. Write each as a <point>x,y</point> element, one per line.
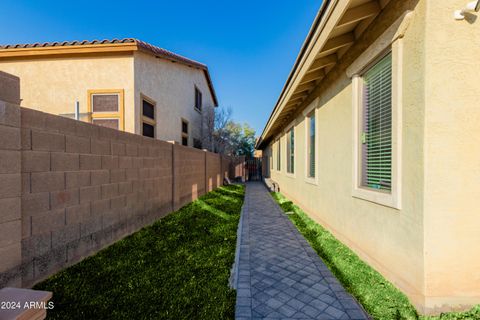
<point>333,14</point>
<point>62,50</point>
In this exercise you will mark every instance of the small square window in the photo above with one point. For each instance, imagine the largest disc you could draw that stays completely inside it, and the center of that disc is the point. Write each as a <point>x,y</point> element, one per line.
<point>104,102</point>
<point>185,141</point>
<point>105,108</point>
<point>148,110</point>
<point>109,123</point>
<point>184,127</point>
<point>148,130</point>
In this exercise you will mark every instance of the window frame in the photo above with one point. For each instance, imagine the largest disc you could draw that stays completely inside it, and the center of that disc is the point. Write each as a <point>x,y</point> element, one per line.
<point>183,134</point>
<point>119,115</point>
<point>147,120</point>
<point>372,55</point>
<point>197,94</point>
<point>308,143</point>
<point>290,168</point>
<point>279,155</point>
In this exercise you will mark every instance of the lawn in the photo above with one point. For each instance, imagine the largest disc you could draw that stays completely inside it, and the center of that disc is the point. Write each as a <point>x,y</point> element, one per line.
<point>378,296</point>
<point>177,268</point>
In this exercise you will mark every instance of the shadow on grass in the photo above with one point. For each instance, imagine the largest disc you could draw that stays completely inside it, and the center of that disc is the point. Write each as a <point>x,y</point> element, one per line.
<point>177,268</point>
<point>377,295</point>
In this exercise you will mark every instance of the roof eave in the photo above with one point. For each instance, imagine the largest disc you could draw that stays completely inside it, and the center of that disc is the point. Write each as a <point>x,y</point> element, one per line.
<point>13,53</point>
<point>300,56</point>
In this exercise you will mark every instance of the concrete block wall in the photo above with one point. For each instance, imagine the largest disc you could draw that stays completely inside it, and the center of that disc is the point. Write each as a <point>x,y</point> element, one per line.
<point>9,88</point>
<point>10,192</point>
<point>69,188</point>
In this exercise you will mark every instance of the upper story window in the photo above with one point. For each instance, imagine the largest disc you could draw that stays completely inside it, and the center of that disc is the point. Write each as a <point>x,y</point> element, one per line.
<point>148,118</point>
<point>376,136</point>
<point>291,150</point>
<point>311,145</point>
<point>106,108</point>
<point>185,132</point>
<point>198,99</point>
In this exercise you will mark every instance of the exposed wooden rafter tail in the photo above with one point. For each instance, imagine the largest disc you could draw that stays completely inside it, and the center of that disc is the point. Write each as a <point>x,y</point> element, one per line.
<point>359,13</point>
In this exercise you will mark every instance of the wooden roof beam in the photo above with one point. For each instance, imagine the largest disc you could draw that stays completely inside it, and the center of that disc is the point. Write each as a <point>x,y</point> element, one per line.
<point>298,95</point>
<point>305,87</point>
<point>359,13</point>
<point>323,62</point>
<point>313,76</point>
<point>337,43</point>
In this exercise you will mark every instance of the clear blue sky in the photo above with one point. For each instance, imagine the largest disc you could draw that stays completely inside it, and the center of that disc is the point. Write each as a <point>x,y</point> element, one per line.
<point>249,46</point>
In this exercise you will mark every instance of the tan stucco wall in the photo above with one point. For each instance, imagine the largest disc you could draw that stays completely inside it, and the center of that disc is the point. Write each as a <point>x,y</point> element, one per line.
<point>429,248</point>
<point>452,153</point>
<point>172,87</point>
<point>54,85</point>
<point>390,240</point>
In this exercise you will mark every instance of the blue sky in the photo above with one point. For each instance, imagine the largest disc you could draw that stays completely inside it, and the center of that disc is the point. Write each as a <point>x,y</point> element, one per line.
<point>249,46</point>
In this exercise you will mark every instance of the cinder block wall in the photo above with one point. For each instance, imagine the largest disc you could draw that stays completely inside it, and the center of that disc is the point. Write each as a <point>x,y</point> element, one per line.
<point>10,192</point>
<point>69,188</point>
<point>9,88</point>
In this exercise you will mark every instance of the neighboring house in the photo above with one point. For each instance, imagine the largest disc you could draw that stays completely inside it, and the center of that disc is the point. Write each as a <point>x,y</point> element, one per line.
<point>376,135</point>
<point>125,84</point>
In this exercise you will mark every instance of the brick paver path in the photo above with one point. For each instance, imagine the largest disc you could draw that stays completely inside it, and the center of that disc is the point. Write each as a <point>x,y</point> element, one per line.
<point>279,276</point>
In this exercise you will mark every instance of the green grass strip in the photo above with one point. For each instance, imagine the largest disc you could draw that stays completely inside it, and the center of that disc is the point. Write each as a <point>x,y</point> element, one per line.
<point>177,268</point>
<point>378,296</point>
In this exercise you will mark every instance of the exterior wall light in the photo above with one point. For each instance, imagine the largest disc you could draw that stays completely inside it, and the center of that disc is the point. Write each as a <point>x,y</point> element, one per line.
<point>473,6</point>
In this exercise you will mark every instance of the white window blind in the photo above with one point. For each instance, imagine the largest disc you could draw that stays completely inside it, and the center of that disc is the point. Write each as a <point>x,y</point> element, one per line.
<point>311,145</point>
<point>377,126</point>
<point>290,151</point>
<point>278,156</point>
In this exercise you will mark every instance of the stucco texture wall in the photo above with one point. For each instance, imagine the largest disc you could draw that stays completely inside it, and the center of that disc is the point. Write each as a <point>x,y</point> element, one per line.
<point>54,85</point>
<point>172,87</point>
<point>452,150</point>
<point>429,247</point>
<point>390,240</point>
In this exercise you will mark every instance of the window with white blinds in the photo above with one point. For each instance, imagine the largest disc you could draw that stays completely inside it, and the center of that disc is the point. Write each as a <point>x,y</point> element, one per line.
<point>291,151</point>
<point>311,145</point>
<point>377,126</point>
<point>279,155</point>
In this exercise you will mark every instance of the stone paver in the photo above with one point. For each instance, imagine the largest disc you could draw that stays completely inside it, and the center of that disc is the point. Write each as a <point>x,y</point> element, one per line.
<point>277,274</point>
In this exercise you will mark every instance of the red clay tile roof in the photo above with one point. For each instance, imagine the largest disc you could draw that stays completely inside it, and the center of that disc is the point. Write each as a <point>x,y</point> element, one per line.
<point>144,46</point>
<point>141,44</point>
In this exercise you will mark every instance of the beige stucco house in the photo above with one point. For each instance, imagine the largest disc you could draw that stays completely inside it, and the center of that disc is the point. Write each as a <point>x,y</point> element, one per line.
<point>376,136</point>
<point>125,84</point>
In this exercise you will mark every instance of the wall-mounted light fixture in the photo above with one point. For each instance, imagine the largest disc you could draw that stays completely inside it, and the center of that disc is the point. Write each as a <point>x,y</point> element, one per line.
<point>473,6</point>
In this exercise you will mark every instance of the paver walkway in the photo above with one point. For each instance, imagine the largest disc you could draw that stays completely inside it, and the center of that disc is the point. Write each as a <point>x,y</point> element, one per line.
<point>278,274</point>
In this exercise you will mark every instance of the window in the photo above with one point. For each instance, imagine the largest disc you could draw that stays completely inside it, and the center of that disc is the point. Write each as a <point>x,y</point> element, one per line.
<point>197,143</point>
<point>106,108</point>
<point>279,156</point>
<point>291,150</point>
<point>377,118</point>
<point>184,132</point>
<point>376,135</point>
<point>311,145</point>
<point>271,158</point>
<point>198,99</point>
<point>148,118</point>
